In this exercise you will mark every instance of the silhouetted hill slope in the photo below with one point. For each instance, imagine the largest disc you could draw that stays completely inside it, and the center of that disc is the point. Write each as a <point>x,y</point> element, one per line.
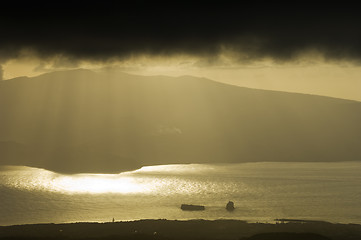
<point>287,236</point>
<point>81,121</point>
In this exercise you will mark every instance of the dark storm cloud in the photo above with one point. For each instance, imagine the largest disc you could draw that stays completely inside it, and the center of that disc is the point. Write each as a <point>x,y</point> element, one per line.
<point>106,30</point>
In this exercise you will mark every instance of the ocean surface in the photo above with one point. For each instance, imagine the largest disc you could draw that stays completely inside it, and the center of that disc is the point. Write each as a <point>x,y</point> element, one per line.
<point>261,192</point>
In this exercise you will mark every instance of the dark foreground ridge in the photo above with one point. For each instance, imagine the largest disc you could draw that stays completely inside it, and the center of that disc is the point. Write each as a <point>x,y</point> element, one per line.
<point>191,229</point>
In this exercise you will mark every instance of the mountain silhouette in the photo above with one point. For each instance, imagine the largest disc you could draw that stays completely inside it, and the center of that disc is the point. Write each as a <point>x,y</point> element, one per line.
<point>83,121</point>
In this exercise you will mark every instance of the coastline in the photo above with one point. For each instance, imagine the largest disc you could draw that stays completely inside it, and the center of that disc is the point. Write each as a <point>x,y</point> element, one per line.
<point>184,229</point>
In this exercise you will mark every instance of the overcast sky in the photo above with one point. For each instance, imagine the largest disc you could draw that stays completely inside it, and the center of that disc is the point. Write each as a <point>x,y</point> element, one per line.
<point>293,47</point>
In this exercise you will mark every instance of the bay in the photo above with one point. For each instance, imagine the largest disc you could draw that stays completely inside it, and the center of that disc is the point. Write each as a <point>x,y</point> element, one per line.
<point>261,192</point>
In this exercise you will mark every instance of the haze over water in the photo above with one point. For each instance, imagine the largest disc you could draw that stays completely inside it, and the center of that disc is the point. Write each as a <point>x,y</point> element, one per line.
<point>261,192</point>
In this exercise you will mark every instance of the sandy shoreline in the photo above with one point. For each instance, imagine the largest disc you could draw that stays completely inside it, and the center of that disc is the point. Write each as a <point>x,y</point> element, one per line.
<point>191,229</point>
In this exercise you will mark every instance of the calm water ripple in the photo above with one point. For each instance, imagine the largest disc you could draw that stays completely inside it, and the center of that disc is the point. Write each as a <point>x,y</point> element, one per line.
<point>261,192</point>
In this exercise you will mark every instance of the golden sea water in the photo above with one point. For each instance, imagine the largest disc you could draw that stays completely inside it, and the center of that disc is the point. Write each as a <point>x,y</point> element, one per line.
<point>261,192</point>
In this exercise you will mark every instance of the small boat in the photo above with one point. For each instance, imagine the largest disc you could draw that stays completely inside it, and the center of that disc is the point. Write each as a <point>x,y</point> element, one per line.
<point>190,207</point>
<point>230,206</point>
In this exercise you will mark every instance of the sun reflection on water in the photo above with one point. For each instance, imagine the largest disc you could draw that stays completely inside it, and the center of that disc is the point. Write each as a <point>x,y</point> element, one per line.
<point>40,179</point>
<point>155,180</point>
<point>99,183</point>
<point>179,169</point>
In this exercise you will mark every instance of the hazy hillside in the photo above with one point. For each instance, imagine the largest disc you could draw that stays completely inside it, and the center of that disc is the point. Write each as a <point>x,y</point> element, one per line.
<point>81,121</point>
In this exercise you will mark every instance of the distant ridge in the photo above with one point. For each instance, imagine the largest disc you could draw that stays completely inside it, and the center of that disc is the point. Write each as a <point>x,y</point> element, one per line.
<point>82,121</point>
